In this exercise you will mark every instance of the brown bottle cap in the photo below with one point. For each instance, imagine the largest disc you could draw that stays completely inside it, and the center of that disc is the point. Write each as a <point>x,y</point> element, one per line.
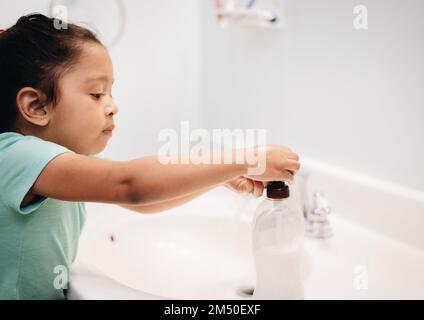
<point>277,190</point>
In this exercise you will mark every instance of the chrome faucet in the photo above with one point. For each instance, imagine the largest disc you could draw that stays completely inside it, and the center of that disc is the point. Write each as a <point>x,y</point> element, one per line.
<point>315,211</point>
<point>316,221</point>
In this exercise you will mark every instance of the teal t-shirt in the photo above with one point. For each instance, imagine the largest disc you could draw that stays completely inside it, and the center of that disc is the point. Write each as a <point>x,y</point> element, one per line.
<point>38,243</point>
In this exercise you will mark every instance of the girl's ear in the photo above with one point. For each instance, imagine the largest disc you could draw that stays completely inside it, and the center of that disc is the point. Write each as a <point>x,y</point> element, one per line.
<point>31,106</point>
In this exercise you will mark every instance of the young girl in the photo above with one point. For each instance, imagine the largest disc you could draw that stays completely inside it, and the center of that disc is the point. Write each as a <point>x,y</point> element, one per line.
<point>56,110</point>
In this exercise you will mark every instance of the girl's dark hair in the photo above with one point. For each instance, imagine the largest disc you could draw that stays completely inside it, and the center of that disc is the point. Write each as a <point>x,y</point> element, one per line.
<point>36,52</point>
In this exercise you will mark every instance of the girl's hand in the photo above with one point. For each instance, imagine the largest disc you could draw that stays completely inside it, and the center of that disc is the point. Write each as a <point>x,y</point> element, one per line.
<point>246,185</point>
<point>278,163</point>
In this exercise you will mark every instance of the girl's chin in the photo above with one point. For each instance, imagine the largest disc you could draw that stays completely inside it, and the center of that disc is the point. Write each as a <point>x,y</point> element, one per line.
<point>100,146</point>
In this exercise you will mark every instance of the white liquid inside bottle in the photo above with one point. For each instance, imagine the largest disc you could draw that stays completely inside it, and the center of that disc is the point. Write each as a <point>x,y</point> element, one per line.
<point>278,236</point>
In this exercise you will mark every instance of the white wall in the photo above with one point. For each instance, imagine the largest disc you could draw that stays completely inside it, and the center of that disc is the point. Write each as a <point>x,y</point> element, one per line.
<point>156,69</point>
<point>350,98</point>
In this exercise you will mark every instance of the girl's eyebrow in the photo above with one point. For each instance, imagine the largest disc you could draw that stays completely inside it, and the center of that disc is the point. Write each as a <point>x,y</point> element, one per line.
<point>98,78</point>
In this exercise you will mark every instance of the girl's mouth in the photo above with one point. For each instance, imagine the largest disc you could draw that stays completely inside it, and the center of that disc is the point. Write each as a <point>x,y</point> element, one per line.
<point>109,130</point>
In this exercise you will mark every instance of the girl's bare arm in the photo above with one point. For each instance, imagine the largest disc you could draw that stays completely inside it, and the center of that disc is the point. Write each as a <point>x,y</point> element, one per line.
<point>144,181</point>
<point>167,204</point>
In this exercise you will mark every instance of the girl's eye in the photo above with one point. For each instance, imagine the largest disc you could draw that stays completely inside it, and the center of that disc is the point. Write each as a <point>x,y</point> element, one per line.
<point>97,96</point>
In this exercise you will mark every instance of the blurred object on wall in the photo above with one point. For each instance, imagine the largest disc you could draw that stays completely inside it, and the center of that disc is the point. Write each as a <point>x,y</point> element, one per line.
<point>253,13</point>
<point>107,18</point>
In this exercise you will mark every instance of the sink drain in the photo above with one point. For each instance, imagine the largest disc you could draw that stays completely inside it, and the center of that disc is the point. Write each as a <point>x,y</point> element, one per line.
<point>246,292</point>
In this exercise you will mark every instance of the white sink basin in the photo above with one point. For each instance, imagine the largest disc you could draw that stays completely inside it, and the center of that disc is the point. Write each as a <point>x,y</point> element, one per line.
<point>202,251</point>
<point>179,257</point>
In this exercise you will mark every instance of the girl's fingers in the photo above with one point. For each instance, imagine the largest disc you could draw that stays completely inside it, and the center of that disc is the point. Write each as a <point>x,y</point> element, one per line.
<point>287,176</point>
<point>258,189</point>
<point>292,165</point>
<point>248,186</point>
<point>293,156</point>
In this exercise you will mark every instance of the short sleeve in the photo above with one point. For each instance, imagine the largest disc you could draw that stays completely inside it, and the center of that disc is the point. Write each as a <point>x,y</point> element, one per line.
<point>20,166</point>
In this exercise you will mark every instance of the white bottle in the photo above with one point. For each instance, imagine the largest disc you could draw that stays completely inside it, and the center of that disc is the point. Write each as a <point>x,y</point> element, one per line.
<point>278,235</point>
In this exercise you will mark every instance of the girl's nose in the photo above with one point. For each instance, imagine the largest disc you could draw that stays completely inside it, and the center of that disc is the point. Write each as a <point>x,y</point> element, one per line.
<point>111,109</point>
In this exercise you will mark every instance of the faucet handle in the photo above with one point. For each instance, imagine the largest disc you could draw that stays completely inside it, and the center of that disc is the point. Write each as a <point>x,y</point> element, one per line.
<point>317,224</point>
<point>321,208</point>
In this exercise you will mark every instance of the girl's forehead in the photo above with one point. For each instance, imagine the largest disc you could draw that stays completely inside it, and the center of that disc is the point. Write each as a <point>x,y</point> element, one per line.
<point>94,64</point>
<point>94,55</point>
